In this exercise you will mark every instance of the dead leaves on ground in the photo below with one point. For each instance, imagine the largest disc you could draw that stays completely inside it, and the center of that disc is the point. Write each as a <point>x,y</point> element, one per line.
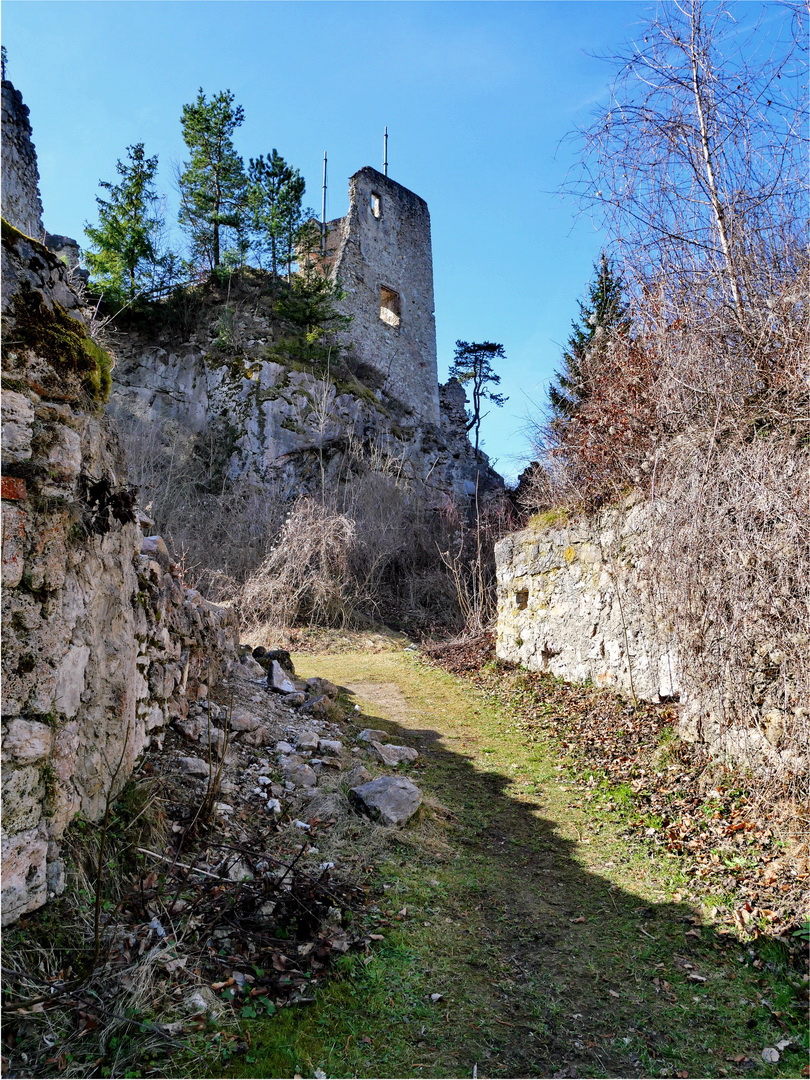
<point>672,796</point>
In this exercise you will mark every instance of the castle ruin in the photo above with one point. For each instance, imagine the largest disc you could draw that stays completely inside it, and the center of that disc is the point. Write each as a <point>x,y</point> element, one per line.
<point>381,254</point>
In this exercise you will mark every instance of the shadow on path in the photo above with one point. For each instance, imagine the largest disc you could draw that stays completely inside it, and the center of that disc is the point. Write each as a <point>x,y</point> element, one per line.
<point>584,977</point>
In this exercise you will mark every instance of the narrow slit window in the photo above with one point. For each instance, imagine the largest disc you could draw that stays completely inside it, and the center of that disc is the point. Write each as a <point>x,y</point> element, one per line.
<point>375,205</point>
<point>522,599</point>
<point>390,306</point>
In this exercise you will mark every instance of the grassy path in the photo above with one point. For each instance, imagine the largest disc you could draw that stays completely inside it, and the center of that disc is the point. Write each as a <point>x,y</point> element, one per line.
<point>557,949</point>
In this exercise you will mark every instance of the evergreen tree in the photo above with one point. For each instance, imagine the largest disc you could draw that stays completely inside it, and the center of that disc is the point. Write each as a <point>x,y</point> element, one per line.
<point>473,364</point>
<point>310,302</point>
<point>275,194</point>
<point>212,182</point>
<point>603,315</point>
<point>125,258</point>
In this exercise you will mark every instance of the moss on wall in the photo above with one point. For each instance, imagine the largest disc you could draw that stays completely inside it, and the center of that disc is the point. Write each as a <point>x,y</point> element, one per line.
<point>52,334</point>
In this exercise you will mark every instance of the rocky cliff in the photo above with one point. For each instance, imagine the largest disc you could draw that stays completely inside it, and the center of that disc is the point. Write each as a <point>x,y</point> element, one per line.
<point>279,421</point>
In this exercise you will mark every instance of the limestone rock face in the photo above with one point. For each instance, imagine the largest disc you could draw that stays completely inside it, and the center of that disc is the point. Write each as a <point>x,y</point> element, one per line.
<point>282,429</point>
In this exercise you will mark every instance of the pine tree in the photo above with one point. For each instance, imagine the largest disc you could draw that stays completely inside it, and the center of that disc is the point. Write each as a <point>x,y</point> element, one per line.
<point>473,364</point>
<point>603,315</point>
<point>275,194</point>
<point>212,182</point>
<point>125,258</point>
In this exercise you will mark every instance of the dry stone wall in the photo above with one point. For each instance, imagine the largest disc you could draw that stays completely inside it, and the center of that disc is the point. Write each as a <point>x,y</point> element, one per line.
<point>570,601</point>
<point>103,645</point>
<point>578,599</point>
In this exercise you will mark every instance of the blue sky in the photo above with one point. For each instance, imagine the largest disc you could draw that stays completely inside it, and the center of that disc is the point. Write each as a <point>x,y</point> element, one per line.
<point>478,98</point>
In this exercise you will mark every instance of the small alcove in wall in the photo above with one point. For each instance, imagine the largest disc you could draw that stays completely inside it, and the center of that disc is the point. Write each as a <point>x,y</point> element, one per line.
<point>390,306</point>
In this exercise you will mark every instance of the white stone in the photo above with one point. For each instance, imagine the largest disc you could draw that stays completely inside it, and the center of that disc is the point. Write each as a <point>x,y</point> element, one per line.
<point>70,680</point>
<point>392,800</point>
<point>27,740</point>
<point>391,755</point>
<point>307,740</point>
<point>278,680</point>
<point>373,735</point>
<point>193,765</point>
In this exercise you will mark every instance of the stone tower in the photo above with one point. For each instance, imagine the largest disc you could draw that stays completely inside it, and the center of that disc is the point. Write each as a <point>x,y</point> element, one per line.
<point>22,206</point>
<point>381,253</point>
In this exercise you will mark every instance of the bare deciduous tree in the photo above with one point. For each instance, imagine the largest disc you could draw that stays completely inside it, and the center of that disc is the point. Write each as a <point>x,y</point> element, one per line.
<point>704,136</point>
<point>697,167</point>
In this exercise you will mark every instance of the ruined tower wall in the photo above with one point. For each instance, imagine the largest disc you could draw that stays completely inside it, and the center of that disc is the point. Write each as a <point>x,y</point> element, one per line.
<point>22,206</point>
<point>384,261</point>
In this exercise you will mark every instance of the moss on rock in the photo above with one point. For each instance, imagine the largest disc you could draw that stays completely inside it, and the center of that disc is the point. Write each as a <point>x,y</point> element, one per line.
<point>52,334</point>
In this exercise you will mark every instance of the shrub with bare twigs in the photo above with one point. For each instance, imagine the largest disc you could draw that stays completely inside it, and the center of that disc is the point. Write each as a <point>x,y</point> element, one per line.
<point>705,405</point>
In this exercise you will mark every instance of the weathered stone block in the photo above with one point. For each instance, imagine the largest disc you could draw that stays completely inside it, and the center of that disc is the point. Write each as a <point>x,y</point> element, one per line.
<point>23,794</point>
<point>391,800</point>
<point>25,885</point>
<point>26,741</point>
<point>70,680</point>
<point>392,755</point>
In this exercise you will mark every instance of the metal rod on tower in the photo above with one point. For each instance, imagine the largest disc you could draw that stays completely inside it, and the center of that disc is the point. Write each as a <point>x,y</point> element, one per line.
<point>323,208</point>
<point>385,153</point>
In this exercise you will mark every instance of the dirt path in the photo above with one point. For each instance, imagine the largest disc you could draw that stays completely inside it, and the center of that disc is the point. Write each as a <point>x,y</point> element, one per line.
<point>555,948</point>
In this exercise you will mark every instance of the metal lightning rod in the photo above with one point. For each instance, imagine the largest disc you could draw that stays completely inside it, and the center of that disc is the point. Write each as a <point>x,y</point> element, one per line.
<point>323,208</point>
<point>385,153</point>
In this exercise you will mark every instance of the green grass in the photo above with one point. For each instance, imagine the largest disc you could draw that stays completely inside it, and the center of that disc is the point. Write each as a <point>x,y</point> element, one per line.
<point>553,942</point>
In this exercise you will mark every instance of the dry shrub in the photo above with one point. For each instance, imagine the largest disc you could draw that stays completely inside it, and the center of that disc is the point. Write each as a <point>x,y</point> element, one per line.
<point>732,545</point>
<point>360,540</point>
<point>306,576</point>
<point>469,559</point>
<point>710,419</point>
<point>377,560</point>
<point>697,168</point>
<point>603,448</point>
<point>376,551</point>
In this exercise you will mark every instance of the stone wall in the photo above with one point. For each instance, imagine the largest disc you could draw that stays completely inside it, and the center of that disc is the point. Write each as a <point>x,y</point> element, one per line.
<point>22,206</point>
<point>578,599</point>
<point>570,601</point>
<point>102,644</point>
<point>381,253</point>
